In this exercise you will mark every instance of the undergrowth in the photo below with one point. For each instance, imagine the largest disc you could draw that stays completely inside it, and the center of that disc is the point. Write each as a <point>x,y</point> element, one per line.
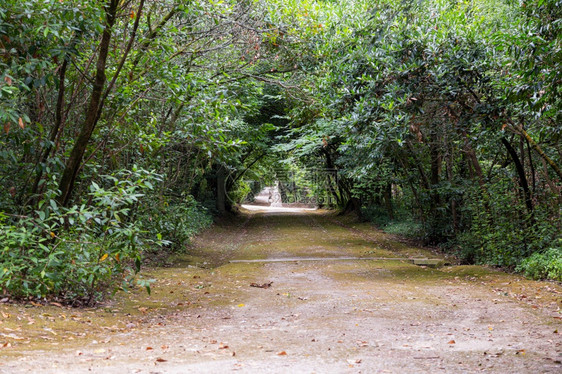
<point>79,255</point>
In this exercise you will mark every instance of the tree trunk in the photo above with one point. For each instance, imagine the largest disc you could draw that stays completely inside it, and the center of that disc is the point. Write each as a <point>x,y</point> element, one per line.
<point>221,190</point>
<point>59,119</point>
<point>435,177</point>
<point>475,164</point>
<point>553,187</point>
<point>538,149</point>
<point>521,173</point>
<point>449,167</point>
<point>76,155</point>
<point>332,179</point>
<point>419,166</point>
<point>388,201</point>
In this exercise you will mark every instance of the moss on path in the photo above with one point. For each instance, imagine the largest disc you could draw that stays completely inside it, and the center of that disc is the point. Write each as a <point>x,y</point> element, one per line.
<point>206,315</point>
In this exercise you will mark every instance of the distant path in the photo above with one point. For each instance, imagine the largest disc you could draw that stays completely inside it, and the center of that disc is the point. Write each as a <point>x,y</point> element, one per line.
<point>209,314</point>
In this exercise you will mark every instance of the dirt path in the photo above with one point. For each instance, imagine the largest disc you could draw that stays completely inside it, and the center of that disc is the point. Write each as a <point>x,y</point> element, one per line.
<point>322,315</point>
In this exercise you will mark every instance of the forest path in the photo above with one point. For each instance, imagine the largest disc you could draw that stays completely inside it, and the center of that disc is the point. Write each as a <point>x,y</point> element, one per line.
<point>320,315</point>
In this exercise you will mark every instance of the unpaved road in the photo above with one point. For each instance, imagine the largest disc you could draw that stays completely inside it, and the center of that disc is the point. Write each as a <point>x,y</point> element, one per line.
<point>320,315</point>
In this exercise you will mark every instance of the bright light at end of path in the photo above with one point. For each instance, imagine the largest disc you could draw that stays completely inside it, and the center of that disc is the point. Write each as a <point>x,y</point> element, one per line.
<point>270,209</point>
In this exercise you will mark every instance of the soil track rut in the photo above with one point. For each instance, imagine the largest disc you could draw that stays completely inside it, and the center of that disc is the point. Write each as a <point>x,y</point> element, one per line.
<point>205,314</point>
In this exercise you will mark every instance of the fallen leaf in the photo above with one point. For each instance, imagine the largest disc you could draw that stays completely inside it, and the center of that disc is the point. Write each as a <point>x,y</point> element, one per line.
<point>149,348</point>
<point>20,123</point>
<point>103,258</point>
<point>56,304</point>
<point>223,346</point>
<point>240,305</point>
<point>263,285</point>
<point>164,347</point>
<point>520,352</point>
<point>282,353</point>
<point>160,360</point>
<point>451,342</point>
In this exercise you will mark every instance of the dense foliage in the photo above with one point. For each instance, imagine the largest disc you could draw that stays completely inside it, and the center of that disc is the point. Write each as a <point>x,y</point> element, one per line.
<point>447,113</point>
<point>128,123</point>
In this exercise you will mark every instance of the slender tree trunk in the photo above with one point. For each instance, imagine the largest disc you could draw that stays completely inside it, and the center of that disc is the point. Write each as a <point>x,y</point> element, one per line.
<point>553,187</point>
<point>97,99</point>
<point>221,190</point>
<point>405,165</point>
<point>332,179</point>
<point>537,148</point>
<point>475,168</point>
<point>435,171</point>
<point>150,37</point>
<point>56,128</point>
<point>541,153</point>
<point>388,200</point>
<point>475,164</point>
<point>449,167</point>
<point>419,165</point>
<point>521,173</point>
<point>533,171</point>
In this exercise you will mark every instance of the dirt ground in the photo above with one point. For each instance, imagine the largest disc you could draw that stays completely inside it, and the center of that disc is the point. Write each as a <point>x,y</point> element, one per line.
<point>334,304</point>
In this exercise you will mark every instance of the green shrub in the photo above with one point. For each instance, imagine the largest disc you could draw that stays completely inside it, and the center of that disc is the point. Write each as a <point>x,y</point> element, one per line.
<point>175,220</point>
<point>241,192</point>
<point>500,231</point>
<point>402,224</point>
<point>547,265</point>
<point>466,247</point>
<point>376,214</point>
<point>77,253</point>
